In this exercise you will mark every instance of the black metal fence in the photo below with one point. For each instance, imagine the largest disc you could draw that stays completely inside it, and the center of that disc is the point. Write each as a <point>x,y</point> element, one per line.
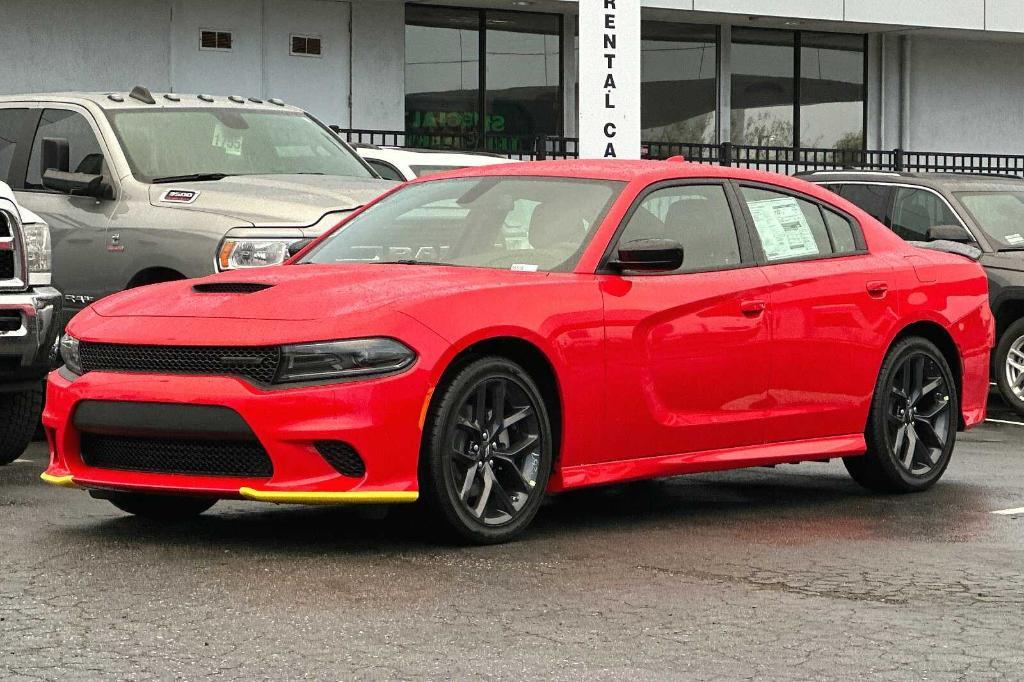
<point>787,160</point>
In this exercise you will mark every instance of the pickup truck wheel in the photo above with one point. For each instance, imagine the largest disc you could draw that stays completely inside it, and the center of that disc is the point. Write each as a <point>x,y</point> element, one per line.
<point>19,415</point>
<point>1009,366</point>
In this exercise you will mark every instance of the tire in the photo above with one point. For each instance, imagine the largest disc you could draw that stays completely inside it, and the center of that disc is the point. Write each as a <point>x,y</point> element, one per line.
<point>160,507</point>
<point>1012,341</point>
<point>915,395</point>
<point>484,483</point>
<point>19,417</point>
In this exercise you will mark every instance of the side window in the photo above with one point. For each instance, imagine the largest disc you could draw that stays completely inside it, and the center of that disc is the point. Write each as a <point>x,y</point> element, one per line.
<point>841,231</point>
<point>385,170</point>
<point>872,199</point>
<point>10,125</point>
<point>915,210</point>
<point>696,216</point>
<point>787,227</point>
<point>84,151</point>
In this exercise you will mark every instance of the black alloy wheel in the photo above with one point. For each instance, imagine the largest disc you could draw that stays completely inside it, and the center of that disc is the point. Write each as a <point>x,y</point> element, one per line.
<point>490,451</point>
<point>913,421</point>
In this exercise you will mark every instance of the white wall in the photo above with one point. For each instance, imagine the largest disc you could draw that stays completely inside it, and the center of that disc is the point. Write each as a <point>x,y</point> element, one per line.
<point>235,72</point>
<point>378,70</point>
<point>50,45</point>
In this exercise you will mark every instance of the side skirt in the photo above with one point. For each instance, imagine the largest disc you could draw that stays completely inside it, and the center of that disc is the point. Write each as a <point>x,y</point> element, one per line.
<point>711,460</point>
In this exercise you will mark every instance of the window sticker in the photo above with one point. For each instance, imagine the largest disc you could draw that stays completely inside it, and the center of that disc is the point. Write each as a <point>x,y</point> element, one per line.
<point>227,139</point>
<point>783,228</point>
<point>524,267</point>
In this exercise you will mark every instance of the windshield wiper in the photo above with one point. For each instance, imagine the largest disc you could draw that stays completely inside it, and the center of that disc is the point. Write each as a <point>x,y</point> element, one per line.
<point>1008,249</point>
<point>408,261</point>
<point>191,177</point>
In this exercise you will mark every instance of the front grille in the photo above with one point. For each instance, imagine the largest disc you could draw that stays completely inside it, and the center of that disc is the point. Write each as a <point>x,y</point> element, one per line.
<point>342,456</point>
<point>5,225</point>
<point>177,455</point>
<point>6,265</point>
<point>258,364</point>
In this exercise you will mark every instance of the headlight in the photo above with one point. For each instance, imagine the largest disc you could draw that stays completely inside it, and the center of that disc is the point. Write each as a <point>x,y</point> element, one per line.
<point>238,253</point>
<point>69,353</point>
<point>343,359</point>
<point>38,251</point>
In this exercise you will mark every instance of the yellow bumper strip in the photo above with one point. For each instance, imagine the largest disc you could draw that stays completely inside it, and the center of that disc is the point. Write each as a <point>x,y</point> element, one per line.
<point>351,497</point>
<point>63,481</point>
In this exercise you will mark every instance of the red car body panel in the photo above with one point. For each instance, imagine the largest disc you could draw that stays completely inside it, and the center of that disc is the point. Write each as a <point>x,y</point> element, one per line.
<point>757,365</point>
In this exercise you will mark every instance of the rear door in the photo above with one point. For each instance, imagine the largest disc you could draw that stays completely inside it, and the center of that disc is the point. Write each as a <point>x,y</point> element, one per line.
<point>831,308</point>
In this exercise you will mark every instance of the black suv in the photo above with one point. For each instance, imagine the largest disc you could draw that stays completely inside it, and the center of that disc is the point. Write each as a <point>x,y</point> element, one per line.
<point>985,211</point>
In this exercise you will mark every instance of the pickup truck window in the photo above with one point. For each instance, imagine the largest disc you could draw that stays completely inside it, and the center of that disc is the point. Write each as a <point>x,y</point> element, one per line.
<point>10,125</point>
<point>163,143</point>
<point>84,153</point>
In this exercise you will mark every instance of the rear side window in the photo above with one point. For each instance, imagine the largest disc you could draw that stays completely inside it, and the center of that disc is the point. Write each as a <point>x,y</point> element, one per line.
<point>696,216</point>
<point>872,199</point>
<point>788,227</point>
<point>841,231</point>
<point>915,210</point>
<point>84,152</point>
<point>10,125</point>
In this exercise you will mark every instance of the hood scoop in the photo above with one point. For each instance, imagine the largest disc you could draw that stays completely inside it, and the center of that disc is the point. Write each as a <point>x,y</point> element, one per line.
<point>230,287</point>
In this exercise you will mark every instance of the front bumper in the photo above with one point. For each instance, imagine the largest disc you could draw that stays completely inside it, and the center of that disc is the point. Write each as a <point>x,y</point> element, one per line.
<point>35,313</point>
<point>379,418</point>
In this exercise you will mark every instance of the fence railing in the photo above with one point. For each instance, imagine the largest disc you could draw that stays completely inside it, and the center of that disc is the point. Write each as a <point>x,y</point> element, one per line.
<point>787,160</point>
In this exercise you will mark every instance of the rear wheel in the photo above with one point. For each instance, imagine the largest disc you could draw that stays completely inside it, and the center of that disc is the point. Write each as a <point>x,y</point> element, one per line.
<point>1009,366</point>
<point>488,451</point>
<point>19,416</point>
<point>160,507</point>
<point>912,425</point>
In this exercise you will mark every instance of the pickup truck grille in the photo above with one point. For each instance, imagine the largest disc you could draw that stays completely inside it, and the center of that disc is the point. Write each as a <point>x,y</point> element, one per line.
<point>258,364</point>
<point>6,265</point>
<point>10,253</point>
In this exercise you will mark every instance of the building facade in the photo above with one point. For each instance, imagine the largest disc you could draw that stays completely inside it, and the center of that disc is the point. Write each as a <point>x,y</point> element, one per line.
<point>941,75</point>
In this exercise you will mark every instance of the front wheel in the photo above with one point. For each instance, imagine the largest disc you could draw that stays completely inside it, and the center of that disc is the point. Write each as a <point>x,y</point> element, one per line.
<point>488,451</point>
<point>1009,366</point>
<point>19,416</point>
<point>912,424</point>
<point>160,507</point>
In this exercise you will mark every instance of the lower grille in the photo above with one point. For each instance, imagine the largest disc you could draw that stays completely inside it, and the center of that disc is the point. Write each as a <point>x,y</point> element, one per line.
<point>10,321</point>
<point>258,364</point>
<point>176,455</point>
<point>342,456</point>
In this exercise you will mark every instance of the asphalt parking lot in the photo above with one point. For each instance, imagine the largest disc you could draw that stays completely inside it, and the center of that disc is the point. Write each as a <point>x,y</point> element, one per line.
<point>788,573</point>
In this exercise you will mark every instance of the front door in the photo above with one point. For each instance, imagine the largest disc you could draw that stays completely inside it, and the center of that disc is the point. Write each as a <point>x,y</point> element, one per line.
<point>687,351</point>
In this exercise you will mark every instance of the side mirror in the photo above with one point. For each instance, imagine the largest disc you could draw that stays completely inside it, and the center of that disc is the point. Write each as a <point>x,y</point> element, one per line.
<point>295,247</point>
<point>948,233</point>
<point>78,184</point>
<point>649,255</point>
<point>55,154</point>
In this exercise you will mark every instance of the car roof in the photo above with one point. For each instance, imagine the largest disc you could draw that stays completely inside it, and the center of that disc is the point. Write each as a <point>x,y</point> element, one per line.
<point>933,180</point>
<point>118,101</point>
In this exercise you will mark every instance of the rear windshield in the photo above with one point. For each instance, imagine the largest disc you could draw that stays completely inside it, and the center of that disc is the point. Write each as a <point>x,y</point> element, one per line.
<point>161,143</point>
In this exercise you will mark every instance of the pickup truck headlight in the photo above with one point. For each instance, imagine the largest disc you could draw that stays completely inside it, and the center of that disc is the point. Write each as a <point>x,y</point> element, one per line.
<point>236,253</point>
<point>69,353</point>
<point>343,359</point>
<point>39,253</point>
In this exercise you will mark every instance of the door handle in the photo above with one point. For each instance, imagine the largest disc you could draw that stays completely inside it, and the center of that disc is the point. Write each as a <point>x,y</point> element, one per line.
<point>877,288</point>
<point>752,308</point>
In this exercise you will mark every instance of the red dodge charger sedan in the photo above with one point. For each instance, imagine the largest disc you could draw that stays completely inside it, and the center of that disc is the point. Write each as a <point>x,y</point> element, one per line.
<point>478,339</point>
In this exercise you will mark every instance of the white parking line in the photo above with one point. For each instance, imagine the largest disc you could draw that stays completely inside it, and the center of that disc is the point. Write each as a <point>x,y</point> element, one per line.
<point>22,461</point>
<point>1010,512</point>
<point>1004,421</point>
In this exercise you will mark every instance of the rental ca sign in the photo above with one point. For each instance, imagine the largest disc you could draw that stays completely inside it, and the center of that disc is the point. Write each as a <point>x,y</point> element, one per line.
<point>609,79</point>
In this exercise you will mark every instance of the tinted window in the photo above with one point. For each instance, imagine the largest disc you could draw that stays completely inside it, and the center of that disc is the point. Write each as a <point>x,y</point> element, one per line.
<point>385,170</point>
<point>10,126</point>
<point>915,210</point>
<point>696,216</point>
<point>787,227</point>
<point>841,231</point>
<point>872,199</point>
<point>84,151</point>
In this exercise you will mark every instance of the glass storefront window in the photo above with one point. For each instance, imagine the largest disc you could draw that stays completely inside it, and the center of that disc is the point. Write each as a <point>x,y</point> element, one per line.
<point>524,74</point>
<point>442,76</point>
<point>763,66</point>
<point>831,90</point>
<point>679,74</point>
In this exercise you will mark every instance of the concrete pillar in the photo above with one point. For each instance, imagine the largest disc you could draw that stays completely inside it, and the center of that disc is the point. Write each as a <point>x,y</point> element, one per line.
<point>378,65</point>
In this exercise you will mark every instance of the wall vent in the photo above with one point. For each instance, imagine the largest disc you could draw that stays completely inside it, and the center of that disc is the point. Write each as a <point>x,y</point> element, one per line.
<point>304,45</point>
<point>210,39</point>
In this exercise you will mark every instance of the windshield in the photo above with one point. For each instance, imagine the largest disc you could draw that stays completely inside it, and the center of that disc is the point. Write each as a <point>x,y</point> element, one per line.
<point>504,223</point>
<point>1000,214</point>
<point>167,143</point>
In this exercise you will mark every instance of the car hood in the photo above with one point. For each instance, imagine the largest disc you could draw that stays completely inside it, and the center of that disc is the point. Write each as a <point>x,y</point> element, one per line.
<point>1010,260</point>
<point>271,200</point>
<point>307,292</point>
